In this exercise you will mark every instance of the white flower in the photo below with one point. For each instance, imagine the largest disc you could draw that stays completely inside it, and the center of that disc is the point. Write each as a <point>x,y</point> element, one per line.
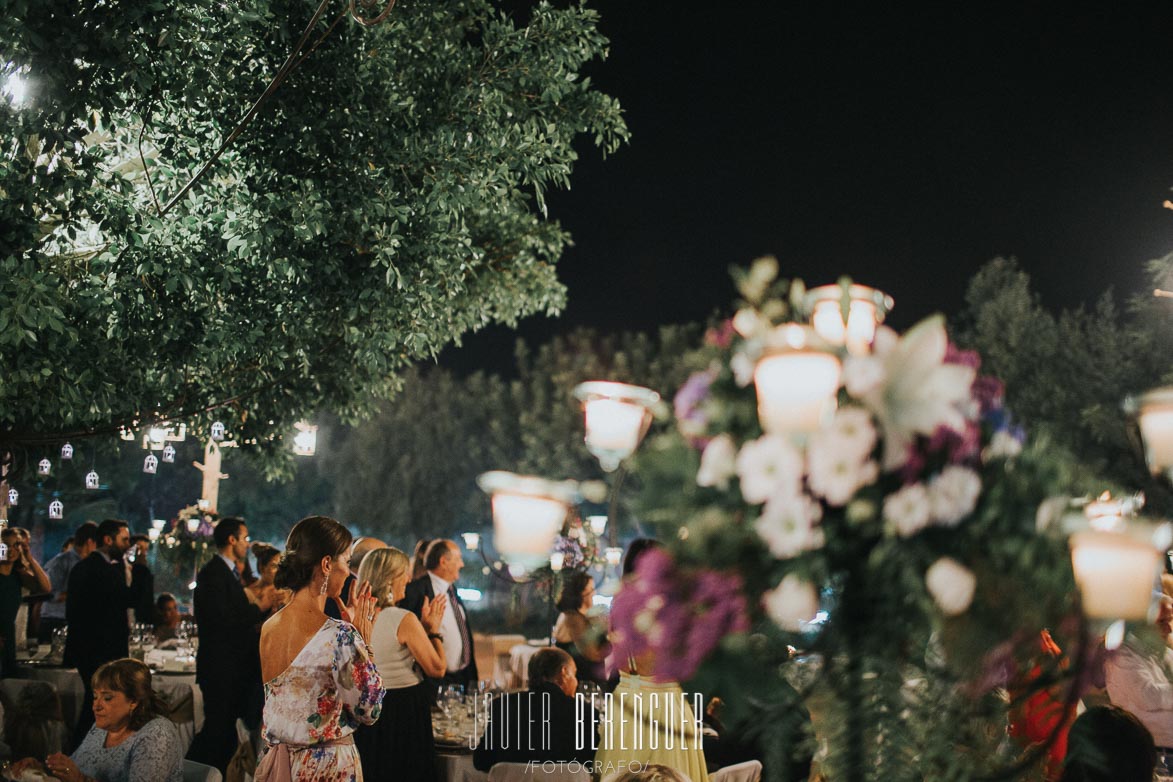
<point>718,462</point>
<point>787,525</point>
<point>919,391</point>
<point>1003,445</point>
<point>953,494</point>
<point>767,466</point>
<point>907,512</point>
<point>862,375</point>
<point>835,472</point>
<point>853,428</point>
<point>951,584</point>
<point>792,603</point>
<point>747,323</point>
<point>743,368</point>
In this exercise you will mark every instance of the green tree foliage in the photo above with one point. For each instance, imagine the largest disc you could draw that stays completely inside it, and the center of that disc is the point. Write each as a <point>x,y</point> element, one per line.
<point>1067,375</point>
<point>410,472</point>
<point>387,199</point>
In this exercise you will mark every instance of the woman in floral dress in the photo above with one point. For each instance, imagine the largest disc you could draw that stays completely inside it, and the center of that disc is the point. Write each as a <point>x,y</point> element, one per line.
<point>320,680</point>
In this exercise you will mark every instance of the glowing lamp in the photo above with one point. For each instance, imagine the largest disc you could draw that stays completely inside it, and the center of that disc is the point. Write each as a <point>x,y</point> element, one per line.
<point>847,315</point>
<point>151,464</point>
<point>557,559</point>
<point>1116,572</point>
<point>472,540</point>
<point>153,534</point>
<point>598,525</point>
<point>13,499</point>
<point>613,555</point>
<point>305,442</point>
<point>217,431</point>
<point>92,481</point>
<point>158,524</point>
<point>43,467</point>
<point>617,417</point>
<point>193,524</point>
<point>527,514</point>
<point>56,510</point>
<point>1155,416</point>
<point>797,382</point>
<point>66,452</point>
<point>169,454</point>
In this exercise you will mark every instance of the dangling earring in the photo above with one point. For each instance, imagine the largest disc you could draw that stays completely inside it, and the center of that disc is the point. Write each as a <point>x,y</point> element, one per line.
<point>325,580</point>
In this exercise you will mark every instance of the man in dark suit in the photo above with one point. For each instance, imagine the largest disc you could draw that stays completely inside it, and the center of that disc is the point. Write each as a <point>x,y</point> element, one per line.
<point>543,723</point>
<point>444,562</point>
<point>97,597</point>
<point>228,663</point>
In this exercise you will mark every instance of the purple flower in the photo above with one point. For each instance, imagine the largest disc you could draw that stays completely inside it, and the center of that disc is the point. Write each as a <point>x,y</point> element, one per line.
<point>678,616</point>
<point>988,391</point>
<point>572,555</point>
<point>690,418</point>
<point>720,336</point>
<point>966,358</point>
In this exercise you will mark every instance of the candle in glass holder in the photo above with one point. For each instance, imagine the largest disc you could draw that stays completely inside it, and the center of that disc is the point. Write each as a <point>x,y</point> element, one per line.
<point>557,559</point>
<point>1115,572</point>
<point>617,417</point>
<point>1156,427</point>
<point>797,383</point>
<point>866,309</point>
<point>527,513</point>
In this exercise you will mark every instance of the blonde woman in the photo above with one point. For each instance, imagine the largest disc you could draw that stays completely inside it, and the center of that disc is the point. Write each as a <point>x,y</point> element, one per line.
<point>399,745</point>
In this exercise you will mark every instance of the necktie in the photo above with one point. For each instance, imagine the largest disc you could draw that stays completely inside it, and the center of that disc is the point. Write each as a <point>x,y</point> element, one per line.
<point>465,638</point>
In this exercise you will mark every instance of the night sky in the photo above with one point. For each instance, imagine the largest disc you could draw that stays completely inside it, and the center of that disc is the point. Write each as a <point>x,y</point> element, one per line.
<point>905,149</point>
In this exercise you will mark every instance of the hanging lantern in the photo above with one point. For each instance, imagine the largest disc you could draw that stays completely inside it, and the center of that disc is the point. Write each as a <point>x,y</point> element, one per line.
<point>56,510</point>
<point>153,535</point>
<point>1116,571</point>
<point>527,514</point>
<point>92,480</point>
<point>150,464</point>
<point>169,454</point>
<point>43,467</point>
<point>126,434</point>
<point>13,499</point>
<point>1155,416</point>
<point>472,540</point>
<point>847,315</point>
<point>305,442</point>
<point>157,524</point>
<point>797,381</point>
<point>598,525</point>
<point>193,524</point>
<point>617,418</point>
<point>217,431</point>
<point>613,555</point>
<point>557,559</point>
<point>66,452</point>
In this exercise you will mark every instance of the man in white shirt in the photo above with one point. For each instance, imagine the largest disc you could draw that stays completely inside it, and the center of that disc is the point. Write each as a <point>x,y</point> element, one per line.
<point>443,562</point>
<point>1139,675</point>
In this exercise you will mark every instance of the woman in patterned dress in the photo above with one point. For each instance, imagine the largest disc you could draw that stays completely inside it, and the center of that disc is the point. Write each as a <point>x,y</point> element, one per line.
<point>320,680</point>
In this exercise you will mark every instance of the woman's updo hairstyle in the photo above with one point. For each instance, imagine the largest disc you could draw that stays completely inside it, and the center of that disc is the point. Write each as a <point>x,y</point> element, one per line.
<point>310,539</point>
<point>574,583</point>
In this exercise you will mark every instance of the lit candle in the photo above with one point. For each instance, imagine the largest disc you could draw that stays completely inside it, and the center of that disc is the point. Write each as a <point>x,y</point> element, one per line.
<point>153,534</point>
<point>158,524</point>
<point>556,561</point>
<point>617,417</point>
<point>613,555</point>
<point>1156,427</point>
<point>193,523</point>
<point>527,514</point>
<point>866,309</point>
<point>1115,573</point>
<point>1104,513</point>
<point>472,540</point>
<point>598,524</point>
<point>796,383</point>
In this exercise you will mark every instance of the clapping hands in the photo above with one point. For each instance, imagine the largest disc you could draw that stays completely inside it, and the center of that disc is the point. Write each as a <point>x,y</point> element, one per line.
<point>432,612</point>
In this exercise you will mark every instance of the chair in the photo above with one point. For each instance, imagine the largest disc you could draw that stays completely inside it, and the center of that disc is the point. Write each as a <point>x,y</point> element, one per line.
<point>32,717</point>
<point>198,772</point>
<point>524,772</point>
<point>749,771</point>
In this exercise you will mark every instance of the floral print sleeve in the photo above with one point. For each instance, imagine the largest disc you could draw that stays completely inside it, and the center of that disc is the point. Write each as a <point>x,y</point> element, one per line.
<point>359,688</point>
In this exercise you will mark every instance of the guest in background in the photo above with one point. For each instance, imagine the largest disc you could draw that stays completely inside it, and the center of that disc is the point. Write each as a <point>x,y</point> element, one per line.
<point>419,558</point>
<point>167,618</point>
<point>574,632</point>
<point>636,549</point>
<point>542,723</point>
<point>444,563</point>
<point>228,665</point>
<point>143,592</point>
<point>95,609</point>
<point>29,611</point>
<point>400,745</point>
<point>1137,674</point>
<point>68,543</point>
<point>1108,744</point>
<point>129,742</point>
<point>336,608</point>
<point>267,558</point>
<point>320,681</point>
<point>17,571</point>
<point>85,540</point>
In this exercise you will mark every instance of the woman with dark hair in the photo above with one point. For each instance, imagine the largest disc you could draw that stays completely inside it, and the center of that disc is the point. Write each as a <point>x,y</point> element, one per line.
<point>1109,744</point>
<point>574,632</point>
<point>406,648</point>
<point>320,680</point>
<point>130,740</point>
<point>267,557</point>
<point>636,549</point>
<point>419,558</point>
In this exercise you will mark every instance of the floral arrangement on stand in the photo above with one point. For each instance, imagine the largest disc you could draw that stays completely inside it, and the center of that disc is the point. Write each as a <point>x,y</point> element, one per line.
<point>185,546</point>
<point>897,541</point>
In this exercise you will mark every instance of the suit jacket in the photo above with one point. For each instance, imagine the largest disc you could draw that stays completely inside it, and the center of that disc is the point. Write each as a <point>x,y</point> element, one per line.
<point>95,610</point>
<point>142,587</point>
<point>229,654</point>
<point>543,723</point>
<point>413,600</point>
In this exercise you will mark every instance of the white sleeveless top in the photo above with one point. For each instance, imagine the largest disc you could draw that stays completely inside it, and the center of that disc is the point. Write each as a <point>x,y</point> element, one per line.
<point>393,659</point>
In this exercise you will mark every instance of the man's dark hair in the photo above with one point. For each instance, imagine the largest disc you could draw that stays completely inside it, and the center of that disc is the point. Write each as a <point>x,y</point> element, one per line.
<point>109,529</point>
<point>546,664</point>
<point>137,537</point>
<point>85,533</point>
<point>163,599</point>
<point>227,527</point>
<point>1109,744</point>
<point>436,551</point>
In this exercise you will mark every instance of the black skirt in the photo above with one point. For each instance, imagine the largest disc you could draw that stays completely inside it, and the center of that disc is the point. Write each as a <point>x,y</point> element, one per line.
<point>399,746</point>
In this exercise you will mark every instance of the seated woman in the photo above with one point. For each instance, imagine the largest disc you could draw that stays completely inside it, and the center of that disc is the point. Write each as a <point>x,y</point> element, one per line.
<point>129,741</point>
<point>167,618</point>
<point>400,744</point>
<point>267,559</point>
<point>575,633</point>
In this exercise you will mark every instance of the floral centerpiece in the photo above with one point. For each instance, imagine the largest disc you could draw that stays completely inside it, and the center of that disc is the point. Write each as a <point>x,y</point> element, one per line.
<point>185,546</point>
<point>894,538</point>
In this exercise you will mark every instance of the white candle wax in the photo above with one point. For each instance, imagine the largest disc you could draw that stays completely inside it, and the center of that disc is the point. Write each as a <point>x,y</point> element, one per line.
<point>1115,574</point>
<point>1156,426</point>
<point>526,526</point>
<point>796,391</point>
<point>614,426</point>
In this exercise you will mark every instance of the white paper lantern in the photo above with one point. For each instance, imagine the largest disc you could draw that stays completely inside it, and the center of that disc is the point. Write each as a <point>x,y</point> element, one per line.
<point>13,498</point>
<point>66,452</point>
<point>169,454</point>
<point>43,467</point>
<point>56,510</point>
<point>217,431</point>
<point>150,464</point>
<point>92,481</point>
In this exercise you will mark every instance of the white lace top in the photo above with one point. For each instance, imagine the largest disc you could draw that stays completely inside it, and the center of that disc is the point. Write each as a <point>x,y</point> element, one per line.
<point>152,754</point>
